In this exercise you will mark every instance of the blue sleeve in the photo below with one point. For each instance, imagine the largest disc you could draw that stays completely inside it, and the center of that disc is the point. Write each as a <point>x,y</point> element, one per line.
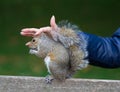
<point>104,51</point>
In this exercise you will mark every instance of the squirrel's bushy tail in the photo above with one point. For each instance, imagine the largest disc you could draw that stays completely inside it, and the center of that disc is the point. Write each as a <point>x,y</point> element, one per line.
<point>77,59</point>
<point>76,45</point>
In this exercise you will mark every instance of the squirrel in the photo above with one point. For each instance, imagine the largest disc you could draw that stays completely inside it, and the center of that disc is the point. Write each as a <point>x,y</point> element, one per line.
<point>63,52</point>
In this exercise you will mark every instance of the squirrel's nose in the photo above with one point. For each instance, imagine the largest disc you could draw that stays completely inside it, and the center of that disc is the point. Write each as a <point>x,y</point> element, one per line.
<point>27,44</point>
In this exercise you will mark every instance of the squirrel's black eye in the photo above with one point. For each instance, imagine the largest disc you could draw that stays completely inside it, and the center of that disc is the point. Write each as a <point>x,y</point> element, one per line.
<point>33,40</point>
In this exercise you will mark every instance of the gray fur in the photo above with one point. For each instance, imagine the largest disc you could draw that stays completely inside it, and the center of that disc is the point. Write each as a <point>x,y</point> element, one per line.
<point>68,49</point>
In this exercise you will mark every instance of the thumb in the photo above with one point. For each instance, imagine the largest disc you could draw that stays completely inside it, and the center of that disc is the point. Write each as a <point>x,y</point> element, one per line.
<point>53,23</point>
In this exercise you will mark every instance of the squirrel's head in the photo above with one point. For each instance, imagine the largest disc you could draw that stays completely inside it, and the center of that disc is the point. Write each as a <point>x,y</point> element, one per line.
<point>36,42</point>
<point>33,44</point>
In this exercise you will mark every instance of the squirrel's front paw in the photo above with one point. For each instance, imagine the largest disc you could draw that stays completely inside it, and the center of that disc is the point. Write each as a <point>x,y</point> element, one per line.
<point>49,79</point>
<point>33,51</point>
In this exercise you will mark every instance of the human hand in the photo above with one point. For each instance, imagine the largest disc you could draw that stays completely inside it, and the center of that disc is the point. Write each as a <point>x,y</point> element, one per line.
<point>36,32</point>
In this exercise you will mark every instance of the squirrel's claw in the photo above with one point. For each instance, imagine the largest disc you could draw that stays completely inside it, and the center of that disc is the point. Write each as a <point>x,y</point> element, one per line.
<point>49,79</point>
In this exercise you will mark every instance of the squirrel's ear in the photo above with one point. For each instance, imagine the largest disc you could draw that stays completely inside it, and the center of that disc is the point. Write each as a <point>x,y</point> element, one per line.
<point>53,23</point>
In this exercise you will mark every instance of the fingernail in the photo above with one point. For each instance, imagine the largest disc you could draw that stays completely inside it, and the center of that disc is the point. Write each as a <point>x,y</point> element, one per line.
<point>53,16</point>
<point>21,33</point>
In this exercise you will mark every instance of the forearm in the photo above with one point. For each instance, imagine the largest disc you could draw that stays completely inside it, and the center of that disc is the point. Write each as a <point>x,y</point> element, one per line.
<point>103,51</point>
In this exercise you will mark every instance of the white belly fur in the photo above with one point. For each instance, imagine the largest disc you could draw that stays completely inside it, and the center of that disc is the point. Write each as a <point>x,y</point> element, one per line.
<point>47,61</point>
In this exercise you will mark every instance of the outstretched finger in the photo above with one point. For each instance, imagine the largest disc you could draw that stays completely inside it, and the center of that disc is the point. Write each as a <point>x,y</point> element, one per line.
<point>53,23</point>
<point>27,34</point>
<point>29,30</point>
<point>43,29</point>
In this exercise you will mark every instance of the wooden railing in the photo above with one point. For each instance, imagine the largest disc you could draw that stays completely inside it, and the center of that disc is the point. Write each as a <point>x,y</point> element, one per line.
<point>37,84</point>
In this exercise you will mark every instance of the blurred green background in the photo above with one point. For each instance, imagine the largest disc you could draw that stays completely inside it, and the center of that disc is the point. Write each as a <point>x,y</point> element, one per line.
<point>100,17</point>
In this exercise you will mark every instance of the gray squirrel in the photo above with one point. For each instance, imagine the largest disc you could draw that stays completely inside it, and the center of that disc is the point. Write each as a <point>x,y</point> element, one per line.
<point>63,51</point>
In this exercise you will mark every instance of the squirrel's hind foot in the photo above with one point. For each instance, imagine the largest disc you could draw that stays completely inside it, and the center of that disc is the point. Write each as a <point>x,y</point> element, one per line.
<point>49,79</point>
